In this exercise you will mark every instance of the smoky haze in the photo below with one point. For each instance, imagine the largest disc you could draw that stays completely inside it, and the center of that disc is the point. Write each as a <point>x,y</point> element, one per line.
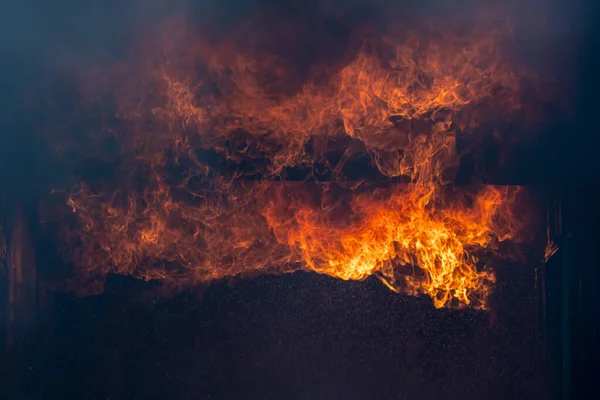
<point>45,44</point>
<point>71,33</point>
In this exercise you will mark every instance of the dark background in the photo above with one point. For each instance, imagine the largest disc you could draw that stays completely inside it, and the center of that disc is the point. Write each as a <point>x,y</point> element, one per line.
<point>302,336</point>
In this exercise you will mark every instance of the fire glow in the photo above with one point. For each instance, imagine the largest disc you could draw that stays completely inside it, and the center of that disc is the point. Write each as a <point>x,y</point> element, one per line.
<point>210,132</point>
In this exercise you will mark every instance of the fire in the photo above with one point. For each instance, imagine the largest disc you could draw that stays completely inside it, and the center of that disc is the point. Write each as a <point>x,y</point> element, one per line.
<point>385,236</point>
<point>272,227</point>
<point>200,117</point>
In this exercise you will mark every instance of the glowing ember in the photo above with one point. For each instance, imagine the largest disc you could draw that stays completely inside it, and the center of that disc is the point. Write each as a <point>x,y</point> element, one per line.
<point>201,115</point>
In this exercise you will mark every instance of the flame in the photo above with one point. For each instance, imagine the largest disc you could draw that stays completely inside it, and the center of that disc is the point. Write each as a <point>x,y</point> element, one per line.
<point>200,115</point>
<point>273,227</point>
<point>384,236</point>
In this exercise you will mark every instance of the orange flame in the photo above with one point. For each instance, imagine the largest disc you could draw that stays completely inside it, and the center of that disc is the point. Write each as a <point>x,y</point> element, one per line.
<point>275,228</point>
<point>183,219</point>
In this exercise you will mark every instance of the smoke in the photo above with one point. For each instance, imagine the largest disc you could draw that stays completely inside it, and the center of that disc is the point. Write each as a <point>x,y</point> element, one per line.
<point>74,35</point>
